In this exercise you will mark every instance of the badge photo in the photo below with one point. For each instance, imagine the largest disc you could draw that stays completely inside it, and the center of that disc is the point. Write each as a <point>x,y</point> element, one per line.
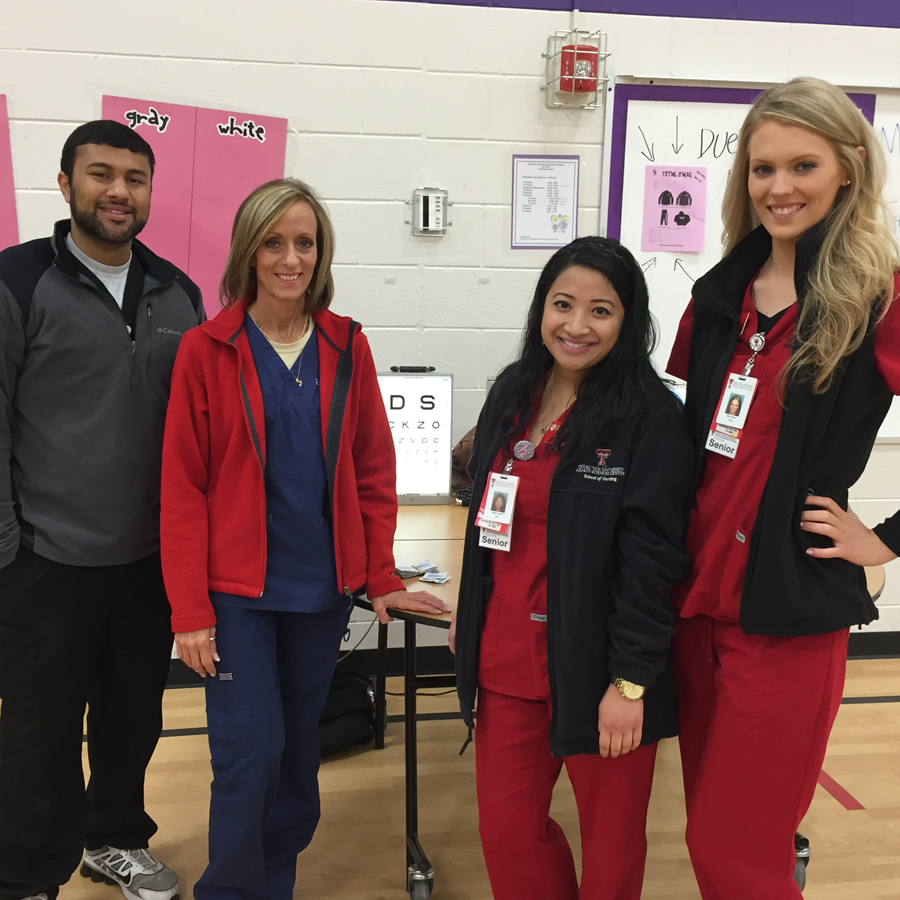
<point>735,403</point>
<point>499,499</point>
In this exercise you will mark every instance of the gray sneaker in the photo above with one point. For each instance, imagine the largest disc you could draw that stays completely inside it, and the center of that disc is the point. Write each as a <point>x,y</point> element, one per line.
<point>37,897</point>
<point>139,874</point>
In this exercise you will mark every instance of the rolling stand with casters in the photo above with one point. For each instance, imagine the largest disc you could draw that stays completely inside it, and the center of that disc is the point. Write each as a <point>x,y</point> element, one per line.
<point>801,848</point>
<point>419,871</point>
<point>434,533</point>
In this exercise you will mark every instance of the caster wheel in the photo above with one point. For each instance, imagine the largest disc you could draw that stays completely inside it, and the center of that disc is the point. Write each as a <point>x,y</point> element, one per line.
<point>420,890</point>
<point>801,848</point>
<point>800,874</point>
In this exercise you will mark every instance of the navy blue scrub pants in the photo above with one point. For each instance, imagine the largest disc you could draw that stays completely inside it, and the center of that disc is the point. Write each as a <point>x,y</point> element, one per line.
<point>263,708</point>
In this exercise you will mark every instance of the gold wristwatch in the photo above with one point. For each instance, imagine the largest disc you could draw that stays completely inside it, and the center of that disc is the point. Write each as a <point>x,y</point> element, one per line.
<point>628,689</point>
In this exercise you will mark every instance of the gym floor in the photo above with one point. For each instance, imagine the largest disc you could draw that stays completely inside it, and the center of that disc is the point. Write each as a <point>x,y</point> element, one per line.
<point>358,851</point>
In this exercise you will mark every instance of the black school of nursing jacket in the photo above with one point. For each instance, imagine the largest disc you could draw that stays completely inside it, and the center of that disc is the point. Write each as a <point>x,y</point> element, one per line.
<point>614,550</point>
<point>823,446</point>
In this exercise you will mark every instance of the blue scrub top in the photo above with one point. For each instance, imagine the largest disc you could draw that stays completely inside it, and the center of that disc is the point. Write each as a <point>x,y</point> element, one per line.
<point>300,566</point>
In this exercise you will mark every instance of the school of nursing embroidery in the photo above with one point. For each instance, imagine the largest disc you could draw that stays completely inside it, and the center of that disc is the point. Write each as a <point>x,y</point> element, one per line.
<point>602,472</point>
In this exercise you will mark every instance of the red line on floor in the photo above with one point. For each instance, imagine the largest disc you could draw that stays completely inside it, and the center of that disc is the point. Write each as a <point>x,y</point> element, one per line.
<point>845,798</point>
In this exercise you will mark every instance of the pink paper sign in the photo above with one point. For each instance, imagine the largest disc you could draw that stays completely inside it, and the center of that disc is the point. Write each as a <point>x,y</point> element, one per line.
<point>9,225</point>
<point>169,129</point>
<point>233,154</point>
<point>674,208</point>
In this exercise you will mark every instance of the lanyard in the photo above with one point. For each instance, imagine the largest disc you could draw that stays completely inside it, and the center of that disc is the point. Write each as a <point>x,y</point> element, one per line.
<point>757,342</point>
<point>523,451</point>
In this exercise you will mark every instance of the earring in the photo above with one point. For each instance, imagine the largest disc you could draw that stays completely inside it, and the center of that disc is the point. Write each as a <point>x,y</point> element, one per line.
<point>847,183</point>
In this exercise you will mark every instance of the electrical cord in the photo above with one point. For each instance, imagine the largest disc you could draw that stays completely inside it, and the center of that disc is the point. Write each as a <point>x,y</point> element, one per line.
<point>356,645</point>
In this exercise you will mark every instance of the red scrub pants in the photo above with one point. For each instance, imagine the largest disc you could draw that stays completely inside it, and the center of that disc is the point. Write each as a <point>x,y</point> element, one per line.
<point>526,852</point>
<point>755,713</point>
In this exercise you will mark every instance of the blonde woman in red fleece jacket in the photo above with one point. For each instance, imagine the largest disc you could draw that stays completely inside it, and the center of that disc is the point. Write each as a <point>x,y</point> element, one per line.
<point>279,506</point>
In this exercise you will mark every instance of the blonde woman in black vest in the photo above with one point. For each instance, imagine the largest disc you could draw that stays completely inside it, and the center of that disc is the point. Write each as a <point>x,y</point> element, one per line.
<point>797,320</point>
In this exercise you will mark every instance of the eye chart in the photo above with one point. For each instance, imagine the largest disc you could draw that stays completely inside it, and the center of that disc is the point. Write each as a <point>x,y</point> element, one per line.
<point>419,410</point>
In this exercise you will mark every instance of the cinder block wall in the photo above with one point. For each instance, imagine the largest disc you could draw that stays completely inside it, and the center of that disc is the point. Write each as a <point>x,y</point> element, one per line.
<point>383,97</point>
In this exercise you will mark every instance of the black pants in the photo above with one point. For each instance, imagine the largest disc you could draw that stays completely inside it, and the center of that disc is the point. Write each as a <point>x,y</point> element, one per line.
<point>71,637</point>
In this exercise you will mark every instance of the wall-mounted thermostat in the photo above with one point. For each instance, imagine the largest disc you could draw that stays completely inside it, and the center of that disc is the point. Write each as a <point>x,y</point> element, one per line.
<point>430,208</point>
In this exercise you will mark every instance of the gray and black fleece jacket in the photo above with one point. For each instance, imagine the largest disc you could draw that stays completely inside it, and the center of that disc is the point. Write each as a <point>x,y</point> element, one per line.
<point>84,401</point>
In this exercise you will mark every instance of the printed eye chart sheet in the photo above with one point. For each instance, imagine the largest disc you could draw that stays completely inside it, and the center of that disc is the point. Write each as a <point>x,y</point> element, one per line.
<point>419,410</point>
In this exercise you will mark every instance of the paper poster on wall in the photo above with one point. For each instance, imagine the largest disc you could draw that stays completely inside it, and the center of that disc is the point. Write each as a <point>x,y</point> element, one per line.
<point>233,154</point>
<point>9,224</point>
<point>207,161</point>
<point>674,208</point>
<point>169,129</point>
<point>544,201</point>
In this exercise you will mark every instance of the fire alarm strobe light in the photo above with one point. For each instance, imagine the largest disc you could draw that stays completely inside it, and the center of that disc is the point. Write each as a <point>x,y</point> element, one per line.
<point>578,69</point>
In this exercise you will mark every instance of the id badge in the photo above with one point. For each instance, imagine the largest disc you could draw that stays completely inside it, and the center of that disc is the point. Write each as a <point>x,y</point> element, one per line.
<point>731,415</point>
<point>495,513</point>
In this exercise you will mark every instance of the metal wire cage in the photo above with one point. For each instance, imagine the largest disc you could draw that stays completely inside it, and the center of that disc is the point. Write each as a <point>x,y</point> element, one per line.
<point>575,70</point>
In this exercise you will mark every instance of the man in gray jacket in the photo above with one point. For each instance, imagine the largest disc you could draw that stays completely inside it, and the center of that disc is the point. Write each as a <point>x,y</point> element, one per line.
<point>90,321</point>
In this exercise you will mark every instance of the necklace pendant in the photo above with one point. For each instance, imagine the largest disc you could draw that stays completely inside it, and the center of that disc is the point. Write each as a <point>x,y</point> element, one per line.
<point>299,382</point>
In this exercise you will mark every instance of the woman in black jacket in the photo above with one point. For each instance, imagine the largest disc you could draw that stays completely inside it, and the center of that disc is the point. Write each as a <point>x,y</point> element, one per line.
<point>565,633</point>
<point>797,318</point>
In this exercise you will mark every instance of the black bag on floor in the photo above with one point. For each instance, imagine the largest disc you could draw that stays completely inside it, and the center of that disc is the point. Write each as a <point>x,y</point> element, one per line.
<point>348,717</point>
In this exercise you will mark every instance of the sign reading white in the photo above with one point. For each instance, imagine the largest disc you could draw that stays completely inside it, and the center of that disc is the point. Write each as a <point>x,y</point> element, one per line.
<point>419,409</point>
<point>544,201</point>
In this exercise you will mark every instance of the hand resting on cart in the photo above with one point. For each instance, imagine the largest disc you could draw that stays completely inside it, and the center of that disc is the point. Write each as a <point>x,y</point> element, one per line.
<point>414,601</point>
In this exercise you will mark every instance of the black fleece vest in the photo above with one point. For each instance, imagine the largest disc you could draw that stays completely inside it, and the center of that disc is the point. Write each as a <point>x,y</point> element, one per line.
<point>823,446</point>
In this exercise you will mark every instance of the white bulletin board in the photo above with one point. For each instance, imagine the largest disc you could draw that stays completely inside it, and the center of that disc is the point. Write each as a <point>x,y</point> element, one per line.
<point>419,409</point>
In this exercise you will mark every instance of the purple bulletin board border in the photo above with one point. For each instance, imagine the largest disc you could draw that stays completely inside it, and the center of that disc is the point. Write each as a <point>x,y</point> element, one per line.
<point>876,13</point>
<point>512,219</point>
<point>625,93</point>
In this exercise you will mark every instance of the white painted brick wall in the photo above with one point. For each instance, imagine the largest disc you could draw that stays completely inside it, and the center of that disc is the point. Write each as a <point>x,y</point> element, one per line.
<point>383,97</point>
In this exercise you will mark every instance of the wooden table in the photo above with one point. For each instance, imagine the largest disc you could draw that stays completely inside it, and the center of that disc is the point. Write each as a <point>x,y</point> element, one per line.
<point>434,533</point>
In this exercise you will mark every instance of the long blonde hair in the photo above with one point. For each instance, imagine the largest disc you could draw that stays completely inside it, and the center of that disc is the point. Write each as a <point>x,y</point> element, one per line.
<point>858,256</point>
<point>255,216</point>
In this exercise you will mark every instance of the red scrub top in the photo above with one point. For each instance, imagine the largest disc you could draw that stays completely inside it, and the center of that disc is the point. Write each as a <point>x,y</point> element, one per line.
<point>513,658</point>
<point>731,490</point>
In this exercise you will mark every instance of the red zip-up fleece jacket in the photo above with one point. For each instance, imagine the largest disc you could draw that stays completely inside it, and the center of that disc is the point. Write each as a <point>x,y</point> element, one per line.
<point>213,505</point>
